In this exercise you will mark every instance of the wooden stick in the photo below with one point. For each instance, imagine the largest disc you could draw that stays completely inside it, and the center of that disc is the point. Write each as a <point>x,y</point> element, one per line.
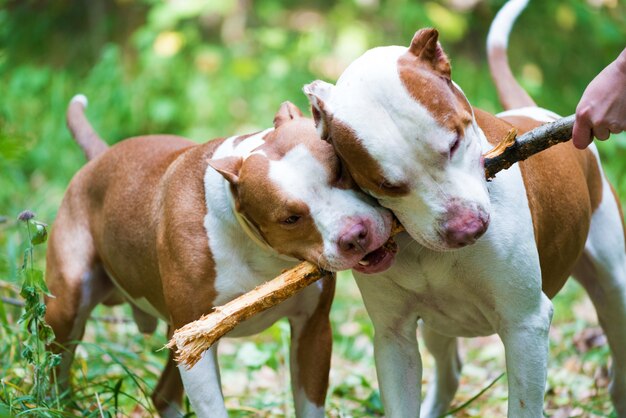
<point>512,150</point>
<point>196,337</point>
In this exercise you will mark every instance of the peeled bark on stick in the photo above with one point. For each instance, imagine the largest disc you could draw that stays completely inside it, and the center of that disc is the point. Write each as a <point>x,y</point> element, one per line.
<point>196,337</point>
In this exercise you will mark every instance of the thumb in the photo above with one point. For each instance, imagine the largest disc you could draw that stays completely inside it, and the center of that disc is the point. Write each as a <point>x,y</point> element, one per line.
<point>581,133</point>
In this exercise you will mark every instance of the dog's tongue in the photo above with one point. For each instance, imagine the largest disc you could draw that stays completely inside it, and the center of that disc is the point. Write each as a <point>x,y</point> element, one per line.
<point>378,260</point>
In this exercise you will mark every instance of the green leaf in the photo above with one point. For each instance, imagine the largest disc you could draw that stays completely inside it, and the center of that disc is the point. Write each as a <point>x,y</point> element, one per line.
<point>116,392</point>
<point>40,310</point>
<point>33,282</point>
<point>373,403</point>
<point>55,359</point>
<point>46,334</point>
<point>40,234</point>
<point>27,354</point>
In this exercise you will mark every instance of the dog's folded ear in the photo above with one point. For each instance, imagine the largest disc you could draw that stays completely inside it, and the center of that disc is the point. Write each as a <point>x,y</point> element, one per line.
<point>228,167</point>
<point>319,93</point>
<point>426,48</point>
<point>287,112</point>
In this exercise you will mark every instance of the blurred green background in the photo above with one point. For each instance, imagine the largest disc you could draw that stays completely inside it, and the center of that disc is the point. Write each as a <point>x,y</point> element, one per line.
<point>205,69</point>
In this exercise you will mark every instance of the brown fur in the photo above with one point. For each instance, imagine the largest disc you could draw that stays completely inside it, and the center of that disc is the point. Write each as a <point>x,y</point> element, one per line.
<point>170,386</point>
<point>306,238</point>
<point>305,242</point>
<point>425,72</point>
<point>564,187</point>
<point>510,93</point>
<point>369,173</point>
<point>136,215</point>
<point>89,141</point>
<point>107,220</point>
<point>313,363</point>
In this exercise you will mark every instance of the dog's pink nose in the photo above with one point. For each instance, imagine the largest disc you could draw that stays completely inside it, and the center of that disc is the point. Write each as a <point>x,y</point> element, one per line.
<point>464,226</point>
<point>355,239</point>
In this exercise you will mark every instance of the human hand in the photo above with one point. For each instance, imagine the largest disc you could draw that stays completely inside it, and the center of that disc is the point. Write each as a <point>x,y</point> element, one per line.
<point>602,108</point>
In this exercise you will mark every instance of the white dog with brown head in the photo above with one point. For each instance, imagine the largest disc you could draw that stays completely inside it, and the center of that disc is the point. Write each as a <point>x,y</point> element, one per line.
<point>409,137</point>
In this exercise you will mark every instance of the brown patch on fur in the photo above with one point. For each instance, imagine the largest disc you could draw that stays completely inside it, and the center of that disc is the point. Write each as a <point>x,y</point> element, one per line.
<point>185,260</point>
<point>510,93</point>
<point>287,112</point>
<point>82,131</point>
<point>425,47</point>
<point>564,187</point>
<point>363,167</point>
<point>136,224</point>
<point>435,92</point>
<point>255,189</point>
<point>315,364</point>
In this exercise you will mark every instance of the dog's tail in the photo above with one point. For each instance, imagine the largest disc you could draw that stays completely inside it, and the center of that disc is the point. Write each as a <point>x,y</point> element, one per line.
<point>82,131</point>
<point>510,93</point>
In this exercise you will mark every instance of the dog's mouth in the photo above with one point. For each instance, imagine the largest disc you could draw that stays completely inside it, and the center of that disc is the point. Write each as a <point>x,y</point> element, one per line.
<point>378,260</point>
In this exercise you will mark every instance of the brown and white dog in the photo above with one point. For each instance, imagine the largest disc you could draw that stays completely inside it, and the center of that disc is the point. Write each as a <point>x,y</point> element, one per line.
<point>176,228</point>
<point>409,137</point>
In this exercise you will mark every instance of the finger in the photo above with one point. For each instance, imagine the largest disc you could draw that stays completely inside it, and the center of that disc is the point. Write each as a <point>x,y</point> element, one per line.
<point>615,129</point>
<point>581,134</point>
<point>601,132</point>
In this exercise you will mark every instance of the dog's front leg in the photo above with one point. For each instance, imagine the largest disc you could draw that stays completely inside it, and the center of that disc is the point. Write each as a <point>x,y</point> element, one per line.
<point>445,382</point>
<point>525,341</point>
<point>396,353</point>
<point>399,369</point>
<point>311,346</point>
<point>202,385</point>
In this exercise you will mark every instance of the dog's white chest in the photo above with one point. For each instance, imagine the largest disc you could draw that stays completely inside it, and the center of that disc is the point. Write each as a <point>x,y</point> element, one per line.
<point>463,293</point>
<point>448,293</point>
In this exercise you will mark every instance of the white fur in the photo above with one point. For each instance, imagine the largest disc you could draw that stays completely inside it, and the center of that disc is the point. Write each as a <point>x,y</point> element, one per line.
<point>503,23</point>
<point>202,384</point>
<point>80,98</point>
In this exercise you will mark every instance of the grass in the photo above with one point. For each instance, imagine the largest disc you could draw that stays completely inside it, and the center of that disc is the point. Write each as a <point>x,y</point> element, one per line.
<point>116,367</point>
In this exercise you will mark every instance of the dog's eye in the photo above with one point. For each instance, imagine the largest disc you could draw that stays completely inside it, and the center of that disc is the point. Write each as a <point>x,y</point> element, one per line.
<point>386,184</point>
<point>455,145</point>
<point>291,220</point>
<point>395,189</point>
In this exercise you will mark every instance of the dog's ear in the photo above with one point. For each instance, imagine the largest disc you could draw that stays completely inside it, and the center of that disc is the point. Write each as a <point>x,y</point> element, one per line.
<point>319,93</point>
<point>425,47</point>
<point>228,167</point>
<point>287,112</point>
